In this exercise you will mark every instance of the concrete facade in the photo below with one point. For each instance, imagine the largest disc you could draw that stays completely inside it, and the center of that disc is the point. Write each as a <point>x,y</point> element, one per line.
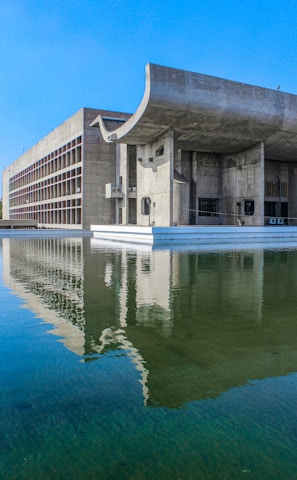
<point>199,150</point>
<point>60,181</point>
<point>211,151</point>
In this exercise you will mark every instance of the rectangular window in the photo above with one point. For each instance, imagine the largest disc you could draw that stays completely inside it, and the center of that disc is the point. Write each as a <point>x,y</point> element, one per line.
<point>208,207</point>
<point>146,205</point>
<point>275,189</point>
<point>249,207</point>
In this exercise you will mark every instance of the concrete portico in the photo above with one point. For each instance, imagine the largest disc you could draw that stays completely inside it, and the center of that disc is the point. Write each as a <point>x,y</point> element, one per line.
<point>210,151</point>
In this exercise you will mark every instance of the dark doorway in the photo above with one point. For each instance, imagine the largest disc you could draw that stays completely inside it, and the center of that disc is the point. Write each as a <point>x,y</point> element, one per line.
<point>269,209</point>
<point>284,211</point>
<point>132,211</point>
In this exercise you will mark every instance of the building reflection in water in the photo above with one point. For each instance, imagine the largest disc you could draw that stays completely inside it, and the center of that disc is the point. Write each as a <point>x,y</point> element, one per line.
<point>194,324</point>
<point>48,274</point>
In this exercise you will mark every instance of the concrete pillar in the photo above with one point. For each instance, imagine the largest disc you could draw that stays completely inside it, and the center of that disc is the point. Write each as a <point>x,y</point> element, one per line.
<point>155,169</point>
<point>122,179</point>
<point>242,182</point>
<point>181,187</point>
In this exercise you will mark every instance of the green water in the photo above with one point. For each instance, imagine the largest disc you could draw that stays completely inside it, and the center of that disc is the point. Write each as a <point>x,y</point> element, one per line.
<point>125,363</point>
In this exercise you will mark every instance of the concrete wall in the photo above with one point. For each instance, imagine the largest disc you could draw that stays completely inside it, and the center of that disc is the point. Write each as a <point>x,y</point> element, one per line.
<point>181,190</point>
<point>155,180</point>
<point>99,168</point>
<point>229,179</point>
<point>181,198</point>
<point>206,175</point>
<point>203,172</point>
<point>243,179</point>
<point>275,170</point>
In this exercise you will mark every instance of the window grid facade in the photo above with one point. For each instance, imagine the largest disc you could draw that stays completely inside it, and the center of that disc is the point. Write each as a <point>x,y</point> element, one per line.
<point>38,192</point>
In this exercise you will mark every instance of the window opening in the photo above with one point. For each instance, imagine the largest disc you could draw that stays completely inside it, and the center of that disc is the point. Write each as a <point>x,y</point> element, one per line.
<point>208,207</point>
<point>249,207</point>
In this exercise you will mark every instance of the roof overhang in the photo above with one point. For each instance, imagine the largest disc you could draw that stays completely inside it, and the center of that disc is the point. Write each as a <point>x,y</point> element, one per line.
<point>210,114</point>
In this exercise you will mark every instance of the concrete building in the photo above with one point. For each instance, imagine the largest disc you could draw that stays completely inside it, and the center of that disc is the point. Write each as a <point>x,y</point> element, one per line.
<point>60,181</point>
<point>199,150</point>
<point>211,151</point>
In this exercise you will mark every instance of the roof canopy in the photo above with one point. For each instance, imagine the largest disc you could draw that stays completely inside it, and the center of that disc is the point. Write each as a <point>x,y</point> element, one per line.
<point>210,114</point>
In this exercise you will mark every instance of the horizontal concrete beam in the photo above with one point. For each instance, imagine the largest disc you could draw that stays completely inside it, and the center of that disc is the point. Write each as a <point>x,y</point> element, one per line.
<point>210,114</point>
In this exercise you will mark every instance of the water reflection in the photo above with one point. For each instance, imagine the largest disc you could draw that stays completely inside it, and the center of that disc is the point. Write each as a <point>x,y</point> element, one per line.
<point>193,324</point>
<point>48,274</point>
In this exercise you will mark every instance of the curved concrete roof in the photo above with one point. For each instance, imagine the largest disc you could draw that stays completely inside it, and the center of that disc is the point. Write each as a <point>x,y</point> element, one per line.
<point>210,114</point>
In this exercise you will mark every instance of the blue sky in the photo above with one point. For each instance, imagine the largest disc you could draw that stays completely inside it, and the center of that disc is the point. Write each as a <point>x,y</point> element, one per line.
<point>60,55</point>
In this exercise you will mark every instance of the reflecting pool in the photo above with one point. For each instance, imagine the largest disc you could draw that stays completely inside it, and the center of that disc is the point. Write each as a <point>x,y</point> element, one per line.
<point>135,363</point>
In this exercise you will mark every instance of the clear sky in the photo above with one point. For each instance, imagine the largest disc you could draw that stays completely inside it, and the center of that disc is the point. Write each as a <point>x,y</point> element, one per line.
<point>61,55</point>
